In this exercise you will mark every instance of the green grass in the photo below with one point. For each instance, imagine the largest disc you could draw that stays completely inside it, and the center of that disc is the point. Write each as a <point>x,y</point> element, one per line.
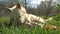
<point>4,19</point>
<point>27,30</point>
<point>24,29</point>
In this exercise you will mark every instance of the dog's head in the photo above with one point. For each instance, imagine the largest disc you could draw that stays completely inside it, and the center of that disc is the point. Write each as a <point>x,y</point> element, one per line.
<point>18,5</point>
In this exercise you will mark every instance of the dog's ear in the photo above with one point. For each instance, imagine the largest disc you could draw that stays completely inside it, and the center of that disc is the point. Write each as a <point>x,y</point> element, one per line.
<point>18,5</point>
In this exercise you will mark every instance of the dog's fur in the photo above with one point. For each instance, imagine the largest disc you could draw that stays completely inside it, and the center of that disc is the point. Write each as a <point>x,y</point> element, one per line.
<point>28,18</point>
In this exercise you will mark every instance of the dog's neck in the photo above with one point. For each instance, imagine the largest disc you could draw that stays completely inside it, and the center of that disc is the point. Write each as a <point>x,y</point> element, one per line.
<point>21,10</point>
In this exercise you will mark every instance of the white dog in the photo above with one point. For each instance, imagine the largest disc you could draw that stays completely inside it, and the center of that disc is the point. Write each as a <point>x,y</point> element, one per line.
<point>28,18</point>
